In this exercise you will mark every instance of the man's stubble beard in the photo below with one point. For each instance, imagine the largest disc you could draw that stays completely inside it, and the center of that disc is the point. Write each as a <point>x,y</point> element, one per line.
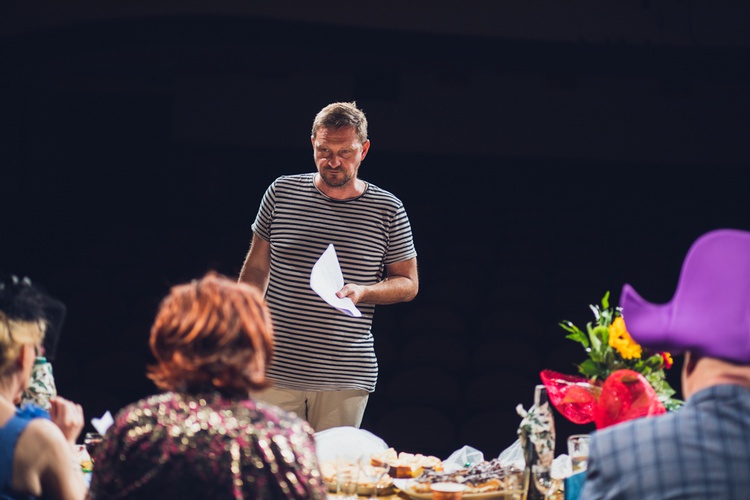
<point>345,180</point>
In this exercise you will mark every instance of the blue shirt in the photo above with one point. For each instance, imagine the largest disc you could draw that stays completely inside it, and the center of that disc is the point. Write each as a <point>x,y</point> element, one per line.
<point>699,452</point>
<point>9,434</point>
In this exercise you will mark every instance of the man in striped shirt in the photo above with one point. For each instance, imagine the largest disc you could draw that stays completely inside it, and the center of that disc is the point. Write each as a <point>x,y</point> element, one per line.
<point>324,364</point>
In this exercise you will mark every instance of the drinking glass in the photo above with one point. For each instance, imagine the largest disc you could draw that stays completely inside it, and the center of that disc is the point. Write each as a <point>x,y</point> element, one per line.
<point>545,483</point>
<point>578,451</point>
<point>371,474</point>
<point>91,441</point>
<point>347,479</point>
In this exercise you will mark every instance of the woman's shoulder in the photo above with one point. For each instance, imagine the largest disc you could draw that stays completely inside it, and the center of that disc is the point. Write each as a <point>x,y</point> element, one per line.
<point>41,443</point>
<point>42,431</point>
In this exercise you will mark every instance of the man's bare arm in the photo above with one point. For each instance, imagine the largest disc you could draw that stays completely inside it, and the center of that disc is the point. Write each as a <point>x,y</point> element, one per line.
<point>401,285</point>
<point>257,266</point>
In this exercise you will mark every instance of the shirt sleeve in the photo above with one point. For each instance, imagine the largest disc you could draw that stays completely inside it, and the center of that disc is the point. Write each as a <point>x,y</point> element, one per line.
<point>264,218</point>
<point>400,240</point>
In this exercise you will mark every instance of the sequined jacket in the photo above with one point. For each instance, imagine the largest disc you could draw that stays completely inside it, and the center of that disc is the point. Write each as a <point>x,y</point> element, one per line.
<point>177,445</point>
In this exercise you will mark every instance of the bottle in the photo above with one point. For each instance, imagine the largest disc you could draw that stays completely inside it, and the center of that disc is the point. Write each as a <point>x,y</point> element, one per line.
<point>537,436</point>
<point>41,386</point>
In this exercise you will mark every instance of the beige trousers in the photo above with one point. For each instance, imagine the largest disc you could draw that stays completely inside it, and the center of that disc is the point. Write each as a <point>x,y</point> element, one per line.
<point>322,409</point>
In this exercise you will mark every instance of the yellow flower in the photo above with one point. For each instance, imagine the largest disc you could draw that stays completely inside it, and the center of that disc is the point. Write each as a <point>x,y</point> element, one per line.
<point>621,341</point>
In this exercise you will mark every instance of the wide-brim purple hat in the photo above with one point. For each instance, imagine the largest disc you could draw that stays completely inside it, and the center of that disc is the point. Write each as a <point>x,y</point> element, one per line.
<point>710,311</point>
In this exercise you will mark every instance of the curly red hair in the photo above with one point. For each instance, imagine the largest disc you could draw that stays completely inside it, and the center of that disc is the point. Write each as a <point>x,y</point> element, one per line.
<point>212,332</point>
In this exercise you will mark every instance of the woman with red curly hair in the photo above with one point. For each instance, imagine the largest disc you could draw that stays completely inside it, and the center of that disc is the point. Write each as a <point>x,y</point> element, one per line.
<point>204,436</point>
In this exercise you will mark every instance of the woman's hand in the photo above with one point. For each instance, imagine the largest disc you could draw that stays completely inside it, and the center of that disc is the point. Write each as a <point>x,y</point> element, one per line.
<point>68,416</point>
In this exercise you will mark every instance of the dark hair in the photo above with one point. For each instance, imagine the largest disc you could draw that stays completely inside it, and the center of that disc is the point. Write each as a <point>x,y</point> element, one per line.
<point>20,300</point>
<point>25,302</point>
<point>207,333</point>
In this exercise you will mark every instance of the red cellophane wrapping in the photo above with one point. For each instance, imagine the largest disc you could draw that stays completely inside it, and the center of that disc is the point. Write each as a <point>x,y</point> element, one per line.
<point>625,395</point>
<point>573,396</point>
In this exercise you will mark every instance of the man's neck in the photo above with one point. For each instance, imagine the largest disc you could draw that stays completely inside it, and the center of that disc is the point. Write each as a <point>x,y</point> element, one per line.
<point>709,372</point>
<point>353,189</point>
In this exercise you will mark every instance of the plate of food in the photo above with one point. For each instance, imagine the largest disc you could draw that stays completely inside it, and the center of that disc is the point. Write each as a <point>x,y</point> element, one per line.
<point>487,480</point>
<point>332,471</point>
<point>491,495</point>
<point>406,465</point>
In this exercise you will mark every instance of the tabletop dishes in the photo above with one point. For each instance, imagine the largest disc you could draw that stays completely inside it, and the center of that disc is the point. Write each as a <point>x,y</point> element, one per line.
<point>486,480</point>
<point>398,465</point>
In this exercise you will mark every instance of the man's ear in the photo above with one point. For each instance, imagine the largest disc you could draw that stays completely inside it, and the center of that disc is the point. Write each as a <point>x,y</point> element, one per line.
<point>691,360</point>
<point>688,367</point>
<point>365,149</point>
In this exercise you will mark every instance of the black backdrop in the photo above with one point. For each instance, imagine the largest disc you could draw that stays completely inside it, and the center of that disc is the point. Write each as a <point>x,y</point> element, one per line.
<point>119,181</point>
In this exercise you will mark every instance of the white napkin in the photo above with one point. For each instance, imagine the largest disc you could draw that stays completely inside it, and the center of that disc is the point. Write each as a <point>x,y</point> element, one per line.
<point>346,442</point>
<point>103,423</point>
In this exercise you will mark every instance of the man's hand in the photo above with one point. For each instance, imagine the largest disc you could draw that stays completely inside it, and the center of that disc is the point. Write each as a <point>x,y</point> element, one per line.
<point>354,292</point>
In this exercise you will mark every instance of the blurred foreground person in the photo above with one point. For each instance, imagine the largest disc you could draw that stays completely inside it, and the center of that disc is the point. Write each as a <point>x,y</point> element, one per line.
<point>703,450</point>
<point>205,437</point>
<point>37,449</point>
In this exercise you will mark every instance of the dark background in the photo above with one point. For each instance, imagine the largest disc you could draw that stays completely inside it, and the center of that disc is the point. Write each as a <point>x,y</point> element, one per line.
<point>546,153</point>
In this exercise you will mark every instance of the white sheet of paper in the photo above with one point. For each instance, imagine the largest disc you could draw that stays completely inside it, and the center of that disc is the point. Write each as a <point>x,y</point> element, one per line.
<point>326,279</point>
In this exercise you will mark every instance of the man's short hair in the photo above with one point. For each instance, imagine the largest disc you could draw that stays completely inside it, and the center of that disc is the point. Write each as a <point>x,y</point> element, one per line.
<point>342,114</point>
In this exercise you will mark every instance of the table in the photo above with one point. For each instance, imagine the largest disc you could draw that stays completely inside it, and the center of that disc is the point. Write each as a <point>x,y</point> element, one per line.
<point>403,496</point>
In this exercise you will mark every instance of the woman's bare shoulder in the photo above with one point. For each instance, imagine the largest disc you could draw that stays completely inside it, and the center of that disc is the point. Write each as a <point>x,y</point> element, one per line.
<point>41,442</point>
<point>43,462</point>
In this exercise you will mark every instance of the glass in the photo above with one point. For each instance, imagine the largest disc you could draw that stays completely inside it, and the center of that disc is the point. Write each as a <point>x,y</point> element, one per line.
<point>91,441</point>
<point>371,474</point>
<point>578,451</point>
<point>543,480</point>
<point>347,478</point>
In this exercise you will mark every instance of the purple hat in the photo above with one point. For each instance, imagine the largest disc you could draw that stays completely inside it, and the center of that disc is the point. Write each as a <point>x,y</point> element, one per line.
<point>710,311</point>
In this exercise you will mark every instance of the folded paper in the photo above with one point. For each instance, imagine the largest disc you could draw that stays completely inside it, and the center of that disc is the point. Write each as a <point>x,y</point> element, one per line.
<point>326,279</point>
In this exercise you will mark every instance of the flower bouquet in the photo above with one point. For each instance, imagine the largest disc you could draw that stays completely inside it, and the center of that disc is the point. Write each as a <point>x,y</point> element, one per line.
<point>618,381</point>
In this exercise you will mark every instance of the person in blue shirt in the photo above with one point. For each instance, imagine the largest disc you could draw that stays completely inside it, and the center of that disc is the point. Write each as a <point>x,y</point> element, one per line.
<point>37,448</point>
<point>702,450</point>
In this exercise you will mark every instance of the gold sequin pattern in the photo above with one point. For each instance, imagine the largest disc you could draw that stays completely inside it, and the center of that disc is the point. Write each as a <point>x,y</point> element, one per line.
<point>207,446</point>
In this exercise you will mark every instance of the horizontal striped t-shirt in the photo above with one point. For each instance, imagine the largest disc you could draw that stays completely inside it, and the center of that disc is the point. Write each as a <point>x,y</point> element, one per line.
<point>317,347</point>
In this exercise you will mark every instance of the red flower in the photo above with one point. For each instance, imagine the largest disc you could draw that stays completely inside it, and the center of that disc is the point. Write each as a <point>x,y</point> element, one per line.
<point>668,361</point>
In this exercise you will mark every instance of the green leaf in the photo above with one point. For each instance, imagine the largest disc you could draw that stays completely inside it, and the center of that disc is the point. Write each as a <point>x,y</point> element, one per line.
<point>606,317</point>
<point>654,362</point>
<point>575,333</point>
<point>599,336</point>
<point>673,404</point>
<point>588,368</point>
<point>605,300</point>
<point>596,342</point>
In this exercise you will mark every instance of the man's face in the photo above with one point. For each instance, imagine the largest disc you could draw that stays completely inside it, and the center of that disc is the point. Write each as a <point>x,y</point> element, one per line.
<point>337,154</point>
